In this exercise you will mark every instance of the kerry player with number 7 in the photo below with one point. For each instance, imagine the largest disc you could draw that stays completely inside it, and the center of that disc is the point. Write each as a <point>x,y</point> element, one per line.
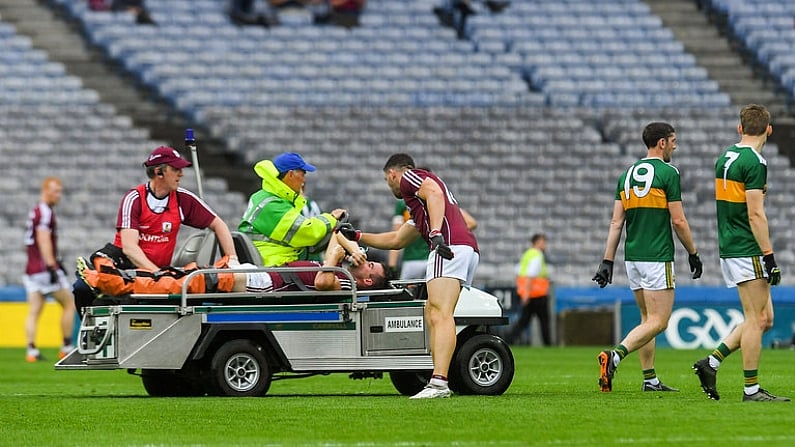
<point>746,254</point>
<point>648,199</point>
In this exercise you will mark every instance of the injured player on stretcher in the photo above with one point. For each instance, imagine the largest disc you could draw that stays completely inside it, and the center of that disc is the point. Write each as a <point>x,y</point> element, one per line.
<point>106,279</point>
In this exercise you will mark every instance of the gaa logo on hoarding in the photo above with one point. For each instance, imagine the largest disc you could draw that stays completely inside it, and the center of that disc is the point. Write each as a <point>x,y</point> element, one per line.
<point>689,329</point>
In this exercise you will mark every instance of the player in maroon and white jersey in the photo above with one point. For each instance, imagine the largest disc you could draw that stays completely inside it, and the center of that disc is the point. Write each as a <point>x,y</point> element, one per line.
<point>454,256</point>
<point>149,219</point>
<point>150,214</point>
<point>44,274</point>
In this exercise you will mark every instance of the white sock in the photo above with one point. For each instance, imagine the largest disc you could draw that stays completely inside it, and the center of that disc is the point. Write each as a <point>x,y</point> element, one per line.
<point>654,381</point>
<point>616,358</point>
<point>749,390</point>
<point>713,362</point>
<point>438,383</point>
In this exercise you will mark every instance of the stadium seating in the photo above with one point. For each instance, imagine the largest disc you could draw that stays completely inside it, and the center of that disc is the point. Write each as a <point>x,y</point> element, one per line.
<point>599,54</point>
<point>766,30</point>
<point>530,118</point>
<point>51,125</point>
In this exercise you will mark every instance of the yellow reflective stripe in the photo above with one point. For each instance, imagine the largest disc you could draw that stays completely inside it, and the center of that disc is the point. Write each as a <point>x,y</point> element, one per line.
<point>729,191</point>
<point>286,223</point>
<point>654,199</point>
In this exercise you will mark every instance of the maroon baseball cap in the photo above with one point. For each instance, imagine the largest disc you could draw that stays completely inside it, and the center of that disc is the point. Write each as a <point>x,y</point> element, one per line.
<point>168,156</point>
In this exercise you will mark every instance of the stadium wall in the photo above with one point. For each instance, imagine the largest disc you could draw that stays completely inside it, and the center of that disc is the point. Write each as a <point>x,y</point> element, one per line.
<point>702,316</point>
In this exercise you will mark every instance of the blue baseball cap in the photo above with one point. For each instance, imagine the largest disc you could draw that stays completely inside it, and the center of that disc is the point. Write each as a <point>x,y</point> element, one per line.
<point>289,161</point>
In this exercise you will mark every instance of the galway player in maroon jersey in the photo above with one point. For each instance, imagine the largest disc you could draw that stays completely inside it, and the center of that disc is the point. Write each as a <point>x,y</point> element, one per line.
<point>149,219</point>
<point>436,217</point>
<point>44,275</point>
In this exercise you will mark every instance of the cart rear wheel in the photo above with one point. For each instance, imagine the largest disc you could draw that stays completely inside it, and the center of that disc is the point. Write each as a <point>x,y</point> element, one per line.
<point>240,368</point>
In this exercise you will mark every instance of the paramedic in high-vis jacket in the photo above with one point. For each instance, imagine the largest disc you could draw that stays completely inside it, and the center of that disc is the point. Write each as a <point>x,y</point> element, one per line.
<point>273,218</point>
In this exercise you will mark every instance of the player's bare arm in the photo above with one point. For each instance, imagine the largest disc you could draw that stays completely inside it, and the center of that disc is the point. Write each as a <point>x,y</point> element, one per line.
<point>470,221</point>
<point>357,256</point>
<point>435,202</point>
<point>131,249</point>
<point>681,227</point>
<point>46,249</point>
<point>754,199</point>
<point>334,255</point>
<point>224,236</point>
<point>391,240</point>
<point>394,255</point>
<point>614,232</point>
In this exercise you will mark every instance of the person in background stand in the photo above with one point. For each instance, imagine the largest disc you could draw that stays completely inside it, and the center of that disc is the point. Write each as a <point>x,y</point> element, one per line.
<point>44,274</point>
<point>532,286</point>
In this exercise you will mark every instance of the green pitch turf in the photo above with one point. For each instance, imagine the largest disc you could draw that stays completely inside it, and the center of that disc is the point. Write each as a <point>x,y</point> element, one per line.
<point>553,401</point>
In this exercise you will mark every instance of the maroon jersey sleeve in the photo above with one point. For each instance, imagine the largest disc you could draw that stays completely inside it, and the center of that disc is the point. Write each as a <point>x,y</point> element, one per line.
<point>454,227</point>
<point>195,212</point>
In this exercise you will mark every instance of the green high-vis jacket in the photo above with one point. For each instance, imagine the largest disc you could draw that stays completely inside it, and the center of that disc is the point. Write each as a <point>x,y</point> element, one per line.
<point>274,222</point>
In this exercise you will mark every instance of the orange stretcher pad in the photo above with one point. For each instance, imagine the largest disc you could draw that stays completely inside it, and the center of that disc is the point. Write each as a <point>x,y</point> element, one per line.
<point>109,280</point>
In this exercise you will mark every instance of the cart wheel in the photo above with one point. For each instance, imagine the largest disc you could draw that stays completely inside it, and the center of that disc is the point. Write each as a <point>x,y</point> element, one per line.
<point>409,383</point>
<point>170,383</point>
<point>483,365</point>
<point>239,368</point>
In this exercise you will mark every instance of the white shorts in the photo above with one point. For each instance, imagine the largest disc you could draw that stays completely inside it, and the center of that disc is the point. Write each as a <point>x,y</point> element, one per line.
<point>256,281</point>
<point>259,282</point>
<point>413,269</point>
<point>40,283</point>
<point>738,270</point>
<point>650,275</point>
<point>461,267</point>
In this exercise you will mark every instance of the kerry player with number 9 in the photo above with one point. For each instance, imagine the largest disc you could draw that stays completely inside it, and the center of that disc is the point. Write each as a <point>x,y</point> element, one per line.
<point>648,197</point>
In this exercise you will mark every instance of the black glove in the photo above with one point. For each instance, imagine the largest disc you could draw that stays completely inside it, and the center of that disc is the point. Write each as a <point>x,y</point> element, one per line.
<point>604,273</point>
<point>438,244</point>
<point>695,265</point>
<point>53,269</point>
<point>773,272</point>
<point>348,231</point>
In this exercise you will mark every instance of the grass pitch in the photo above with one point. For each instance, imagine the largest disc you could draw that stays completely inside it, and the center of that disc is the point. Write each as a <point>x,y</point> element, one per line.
<point>553,401</point>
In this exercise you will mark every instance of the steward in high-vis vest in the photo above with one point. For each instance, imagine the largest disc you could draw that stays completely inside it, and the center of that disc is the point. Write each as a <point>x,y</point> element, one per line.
<point>273,218</point>
<point>531,280</point>
<point>532,286</point>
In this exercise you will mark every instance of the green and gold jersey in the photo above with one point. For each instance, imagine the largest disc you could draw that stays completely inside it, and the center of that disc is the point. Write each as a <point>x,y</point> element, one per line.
<point>738,169</point>
<point>645,190</point>
<point>417,250</point>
